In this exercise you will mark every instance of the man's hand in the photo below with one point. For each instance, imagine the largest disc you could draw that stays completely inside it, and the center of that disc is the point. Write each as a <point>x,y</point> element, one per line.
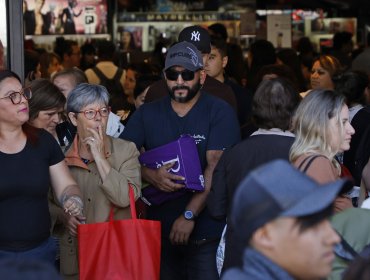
<point>162,178</point>
<point>181,230</point>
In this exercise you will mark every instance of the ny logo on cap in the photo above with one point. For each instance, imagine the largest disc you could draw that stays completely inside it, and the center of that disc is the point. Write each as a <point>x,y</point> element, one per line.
<point>195,36</point>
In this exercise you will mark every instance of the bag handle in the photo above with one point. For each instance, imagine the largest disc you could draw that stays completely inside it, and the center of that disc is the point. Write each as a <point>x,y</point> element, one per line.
<point>131,195</point>
<point>132,201</point>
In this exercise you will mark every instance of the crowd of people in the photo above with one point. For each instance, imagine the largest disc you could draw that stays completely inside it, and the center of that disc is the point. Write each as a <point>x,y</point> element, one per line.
<point>282,138</point>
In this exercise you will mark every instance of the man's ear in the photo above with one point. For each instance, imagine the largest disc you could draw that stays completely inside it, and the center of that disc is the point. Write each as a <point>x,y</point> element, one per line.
<point>261,238</point>
<point>203,76</point>
<point>225,60</point>
<point>72,118</point>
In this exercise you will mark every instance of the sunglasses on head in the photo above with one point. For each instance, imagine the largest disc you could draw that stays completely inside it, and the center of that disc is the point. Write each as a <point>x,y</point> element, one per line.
<point>173,75</point>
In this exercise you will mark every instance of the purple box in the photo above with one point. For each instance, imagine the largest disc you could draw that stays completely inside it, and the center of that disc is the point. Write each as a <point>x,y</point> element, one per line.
<point>184,153</point>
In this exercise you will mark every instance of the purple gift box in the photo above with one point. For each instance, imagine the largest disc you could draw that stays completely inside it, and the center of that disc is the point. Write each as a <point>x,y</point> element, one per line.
<point>184,153</point>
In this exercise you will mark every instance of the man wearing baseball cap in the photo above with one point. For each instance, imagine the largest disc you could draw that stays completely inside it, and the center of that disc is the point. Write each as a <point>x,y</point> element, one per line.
<point>200,38</point>
<point>282,217</point>
<point>190,236</point>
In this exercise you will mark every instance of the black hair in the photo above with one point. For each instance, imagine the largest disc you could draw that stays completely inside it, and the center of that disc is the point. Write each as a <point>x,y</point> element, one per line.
<point>8,74</point>
<point>280,70</point>
<point>106,50</point>
<point>143,82</point>
<point>340,39</point>
<point>359,269</point>
<point>352,85</point>
<point>63,46</point>
<point>306,222</point>
<point>219,30</point>
<point>220,45</point>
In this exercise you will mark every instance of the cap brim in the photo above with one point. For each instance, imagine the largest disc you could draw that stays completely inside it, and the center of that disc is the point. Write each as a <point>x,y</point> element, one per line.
<point>187,66</point>
<point>317,200</point>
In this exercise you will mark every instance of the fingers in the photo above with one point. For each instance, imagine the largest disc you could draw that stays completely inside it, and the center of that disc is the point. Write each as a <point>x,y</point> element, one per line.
<point>168,185</point>
<point>100,131</point>
<point>89,140</point>
<point>178,238</point>
<point>95,134</point>
<point>73,206</point>
<point>165,172</point>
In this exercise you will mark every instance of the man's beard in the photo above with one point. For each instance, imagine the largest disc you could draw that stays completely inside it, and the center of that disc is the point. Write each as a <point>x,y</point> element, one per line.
<point>189,96</point>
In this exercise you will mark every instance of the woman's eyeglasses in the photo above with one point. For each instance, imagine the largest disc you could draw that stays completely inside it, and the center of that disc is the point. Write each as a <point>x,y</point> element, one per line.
<point>173,75</point>
<point>90,114</point>
<point>16,96</point>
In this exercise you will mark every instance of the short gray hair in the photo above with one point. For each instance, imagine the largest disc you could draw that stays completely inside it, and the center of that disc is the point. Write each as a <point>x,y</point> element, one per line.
<point>85,94</point>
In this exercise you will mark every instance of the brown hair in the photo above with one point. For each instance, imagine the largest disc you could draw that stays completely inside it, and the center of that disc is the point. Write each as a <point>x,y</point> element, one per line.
<point>45,96</point>
<point>330,64</point>
<point>45,60</point>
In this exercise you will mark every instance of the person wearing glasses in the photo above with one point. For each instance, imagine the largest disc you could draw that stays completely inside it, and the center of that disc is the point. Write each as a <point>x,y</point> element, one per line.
<point>30,161</point>
<point>102,165</point>
<point>189,235</point>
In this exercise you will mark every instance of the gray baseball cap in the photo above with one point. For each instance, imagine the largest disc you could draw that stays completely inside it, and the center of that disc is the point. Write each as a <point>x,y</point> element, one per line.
<point>277,189</point>
<point>184,54</point>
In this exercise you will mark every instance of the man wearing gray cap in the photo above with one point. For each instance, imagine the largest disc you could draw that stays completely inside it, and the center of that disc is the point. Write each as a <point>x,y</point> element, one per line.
<point>189,235</point>
<point>281,215</point>
<point>199,37</point>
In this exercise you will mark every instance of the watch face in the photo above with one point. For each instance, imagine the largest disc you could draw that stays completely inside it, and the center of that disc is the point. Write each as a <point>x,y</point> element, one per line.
<point>188,215</point>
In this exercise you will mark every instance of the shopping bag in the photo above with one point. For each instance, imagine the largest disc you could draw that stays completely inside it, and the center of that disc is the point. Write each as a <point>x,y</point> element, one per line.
<point>120,249</point>
<point>184,154</point>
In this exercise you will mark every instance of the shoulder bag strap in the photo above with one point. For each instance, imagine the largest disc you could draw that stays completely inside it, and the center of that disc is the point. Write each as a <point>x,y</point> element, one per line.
<point>347,247</point>
<point>309,161</point>
<point>132,201</point>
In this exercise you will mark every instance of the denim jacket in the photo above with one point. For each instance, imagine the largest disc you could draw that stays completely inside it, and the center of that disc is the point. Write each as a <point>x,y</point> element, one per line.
<point>256,267</point>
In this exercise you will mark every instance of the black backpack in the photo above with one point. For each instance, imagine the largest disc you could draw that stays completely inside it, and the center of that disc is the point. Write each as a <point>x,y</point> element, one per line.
<point>114,87</point>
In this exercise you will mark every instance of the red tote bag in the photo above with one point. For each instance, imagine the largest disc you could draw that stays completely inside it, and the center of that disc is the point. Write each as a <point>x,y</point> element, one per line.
<point>120,250</point>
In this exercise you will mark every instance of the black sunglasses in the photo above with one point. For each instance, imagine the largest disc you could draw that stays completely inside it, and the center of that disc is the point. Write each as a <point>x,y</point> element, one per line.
<point>173,75</point>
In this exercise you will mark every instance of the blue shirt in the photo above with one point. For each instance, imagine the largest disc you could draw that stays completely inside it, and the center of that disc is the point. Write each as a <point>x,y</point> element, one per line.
<point>214,126</point>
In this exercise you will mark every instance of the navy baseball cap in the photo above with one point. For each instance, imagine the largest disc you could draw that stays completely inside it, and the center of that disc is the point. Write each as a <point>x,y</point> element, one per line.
<point>198,36</point>
<point>184,54</point>
<point>278,189</point>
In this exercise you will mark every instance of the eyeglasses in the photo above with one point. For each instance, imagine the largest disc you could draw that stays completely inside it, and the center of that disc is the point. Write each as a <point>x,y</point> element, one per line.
<point>90,114</point>
<point>173,75</point>
<point>16,96</point>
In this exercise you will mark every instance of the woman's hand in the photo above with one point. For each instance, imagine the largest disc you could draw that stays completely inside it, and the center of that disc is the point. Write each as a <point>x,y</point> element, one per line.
<point>342,202</point>
<point>73,222</point>
<point>95,143</point>
<point>73,205</point>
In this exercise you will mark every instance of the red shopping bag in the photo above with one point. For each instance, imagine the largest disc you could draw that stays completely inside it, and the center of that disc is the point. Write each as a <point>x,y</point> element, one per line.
<point>121,249</point>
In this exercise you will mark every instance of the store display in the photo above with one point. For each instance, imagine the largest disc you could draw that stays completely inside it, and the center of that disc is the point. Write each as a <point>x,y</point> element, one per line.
<point>49,17</point>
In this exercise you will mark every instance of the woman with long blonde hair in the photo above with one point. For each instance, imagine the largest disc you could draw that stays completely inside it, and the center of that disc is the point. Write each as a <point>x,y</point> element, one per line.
<point>322,128</point>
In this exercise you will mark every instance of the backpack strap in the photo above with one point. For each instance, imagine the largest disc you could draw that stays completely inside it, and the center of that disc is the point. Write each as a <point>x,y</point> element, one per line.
<point>347,247</point>
<point>309,161</point>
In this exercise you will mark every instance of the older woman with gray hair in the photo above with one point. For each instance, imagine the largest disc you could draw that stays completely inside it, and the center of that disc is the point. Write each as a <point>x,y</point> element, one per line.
<point>103,166</point>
